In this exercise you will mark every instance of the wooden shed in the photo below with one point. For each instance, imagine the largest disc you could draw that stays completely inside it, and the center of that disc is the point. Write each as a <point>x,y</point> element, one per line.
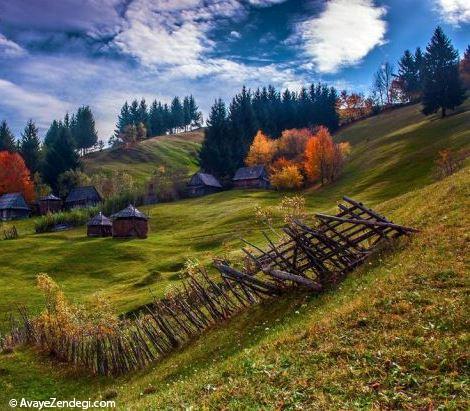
<point>49,204</point>
<point>202,184</point>
<point>251,177</point>
<point>13,206</point>
<point>130,222</point>
<point>83,197</point>
<point>99,226</point>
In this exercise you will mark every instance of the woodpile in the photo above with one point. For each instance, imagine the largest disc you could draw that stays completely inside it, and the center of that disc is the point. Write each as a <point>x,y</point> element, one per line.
<point>312,258</point>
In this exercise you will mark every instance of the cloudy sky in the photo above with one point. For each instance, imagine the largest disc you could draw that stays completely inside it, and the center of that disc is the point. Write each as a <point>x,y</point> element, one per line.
<point>58,55</point>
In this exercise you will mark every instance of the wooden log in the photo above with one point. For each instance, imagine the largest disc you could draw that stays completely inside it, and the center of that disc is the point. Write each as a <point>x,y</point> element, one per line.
<point>305,282</point>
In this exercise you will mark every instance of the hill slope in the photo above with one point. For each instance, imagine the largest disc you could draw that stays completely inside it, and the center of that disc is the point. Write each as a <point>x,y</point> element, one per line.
<point>392,154</point>
<point>175,150</point>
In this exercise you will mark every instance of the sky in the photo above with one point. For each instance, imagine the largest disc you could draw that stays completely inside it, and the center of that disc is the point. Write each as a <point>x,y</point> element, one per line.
<point>58,55</point>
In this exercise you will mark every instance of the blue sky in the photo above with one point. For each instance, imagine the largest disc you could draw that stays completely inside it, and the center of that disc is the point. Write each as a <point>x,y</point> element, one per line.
<point>58,55</point>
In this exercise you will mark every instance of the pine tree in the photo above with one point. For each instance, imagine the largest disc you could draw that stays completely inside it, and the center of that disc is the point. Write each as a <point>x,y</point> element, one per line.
<point>124,119</point>
<point>186,113</point>
<point>465,68</point>
<point>30,146</point>
<point>177,114</point>
<point>60,157</point>
<point>442,85</point>
<point>408,74</point>
<point>195,116</point>
<point>419,63</point>
<point>216,154</point>
<point>7,139</point>
<point>84,132</point>
<point>143,116</point>
<point>53,133</point>
<point>134,112</point>
<point>156,121</point>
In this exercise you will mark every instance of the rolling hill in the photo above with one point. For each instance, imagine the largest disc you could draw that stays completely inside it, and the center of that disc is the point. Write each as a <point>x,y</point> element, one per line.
<point>381,340</point>
<point>175,150</point>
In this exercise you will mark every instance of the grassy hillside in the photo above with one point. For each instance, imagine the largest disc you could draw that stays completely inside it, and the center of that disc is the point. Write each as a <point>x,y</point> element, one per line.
<point>176,150</point>
<point>392,154</point>
<point>392,336</point>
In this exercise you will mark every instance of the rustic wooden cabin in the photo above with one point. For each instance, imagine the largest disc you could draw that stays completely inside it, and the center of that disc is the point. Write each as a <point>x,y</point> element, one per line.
<point>49,204</point>
<point>251,177</point>
<point>83,197</point>
<point>13,206</point>
<point>130,222</point>
<point>99,226</point>
<point>202,184</point>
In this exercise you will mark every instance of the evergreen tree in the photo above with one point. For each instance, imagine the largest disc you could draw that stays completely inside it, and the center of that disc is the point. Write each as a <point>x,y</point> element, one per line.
<point>408,74</point>
<point>60,157</point>
<point>30,146</point>
<point>465,68</point>
<point>167,118</point>
<point>442,85</point>
<point>195,116</point>
<point>7,139</point>
<point>186,113</point>
<point>124,119</point>
<point>177,114</point>
<point>134,112</point>
<point>53,133</point>
<point>143,116</point>
<point>419,63</point>
<point>84,132</point>
<point>216,151</point>
<point>156,121</point>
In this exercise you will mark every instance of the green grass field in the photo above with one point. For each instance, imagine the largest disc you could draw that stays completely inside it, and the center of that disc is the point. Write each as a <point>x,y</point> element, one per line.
<point>411,346</point>
<point>178,150</point>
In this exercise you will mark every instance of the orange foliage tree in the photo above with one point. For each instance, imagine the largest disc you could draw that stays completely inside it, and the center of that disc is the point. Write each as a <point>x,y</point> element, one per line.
<point>288,177</point>
<point>323,158</point>
<point>261,150</point>
<point>291,145</point>
<point>15,176</point>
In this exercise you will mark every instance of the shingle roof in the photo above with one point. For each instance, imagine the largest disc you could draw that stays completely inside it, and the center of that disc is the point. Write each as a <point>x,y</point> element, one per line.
<point>13,201</point>
<point>248,173</point>
<point>207,180</point>
<point>129,212</point>
<point>50,197</point>
<point>83,194</point>
<point>99,219</point>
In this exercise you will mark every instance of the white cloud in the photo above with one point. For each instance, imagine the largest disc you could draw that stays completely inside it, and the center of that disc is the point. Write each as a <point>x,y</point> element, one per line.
<point>31,104</point>
<point>235,34</point>
<point>10,48</point>
<point>265,3</point>
<point>454,11</point>
<point>343,34</point>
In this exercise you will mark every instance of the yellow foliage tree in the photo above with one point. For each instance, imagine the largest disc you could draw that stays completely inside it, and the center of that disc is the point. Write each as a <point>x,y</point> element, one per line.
<point>287,178</point>
<point>261,150</point>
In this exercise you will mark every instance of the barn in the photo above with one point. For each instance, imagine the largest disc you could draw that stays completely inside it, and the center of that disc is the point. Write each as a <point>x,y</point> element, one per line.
<point>251,177</point>
<point>13,206</point>
<point>83,197</point>
<point>130,222</point>
<point>99,226</point>
<point>202,184</point>
<point>49,204</point>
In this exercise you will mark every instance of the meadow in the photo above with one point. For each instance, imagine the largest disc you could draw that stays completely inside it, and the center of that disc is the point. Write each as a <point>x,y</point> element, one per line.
<point>296,350</point>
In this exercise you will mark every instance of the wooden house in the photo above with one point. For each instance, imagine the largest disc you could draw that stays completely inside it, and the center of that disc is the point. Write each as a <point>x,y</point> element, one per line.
<point>202,184</point>
<point>130,222</point>
<point>13,206</point>
<point>99,226</point>
<point>83,197</point>
<point>49,204</point>
<point>251,177</point>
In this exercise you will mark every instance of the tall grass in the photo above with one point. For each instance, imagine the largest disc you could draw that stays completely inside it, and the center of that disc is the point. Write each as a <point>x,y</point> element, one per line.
<point>73,218</point>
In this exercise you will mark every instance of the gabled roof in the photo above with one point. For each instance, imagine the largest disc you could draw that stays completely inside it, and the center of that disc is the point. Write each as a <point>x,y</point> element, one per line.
<point>99,219</point>
<point>13,201</point>
<point>249,173</point>
<point>83,194</point>
<point>129,212</point>
<point>50,197</point>
<point>207,180</point>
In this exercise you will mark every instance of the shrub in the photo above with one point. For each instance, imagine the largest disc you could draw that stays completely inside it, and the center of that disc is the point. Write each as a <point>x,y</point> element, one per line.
<point>287,178</point>
<point>73,218</point>
<point>448,162</point>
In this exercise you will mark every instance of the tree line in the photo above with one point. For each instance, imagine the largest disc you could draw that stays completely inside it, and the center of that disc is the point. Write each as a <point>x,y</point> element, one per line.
<point>137,121</point>
<point>60,152</point>
<point>436,78</point>
<point>230,132</point>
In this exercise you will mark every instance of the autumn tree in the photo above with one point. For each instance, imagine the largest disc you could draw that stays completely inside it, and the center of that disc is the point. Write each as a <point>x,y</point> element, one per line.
<point>291,145</point>
<point>288,177</point>
<point>261,150</point>
<point>323,158</point>
<point>15,176</point>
